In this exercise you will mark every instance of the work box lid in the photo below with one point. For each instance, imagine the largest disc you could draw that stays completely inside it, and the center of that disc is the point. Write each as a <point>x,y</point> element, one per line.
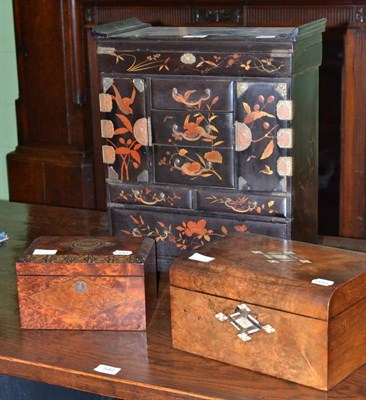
<point>80,255</point>
<point>301,278</point>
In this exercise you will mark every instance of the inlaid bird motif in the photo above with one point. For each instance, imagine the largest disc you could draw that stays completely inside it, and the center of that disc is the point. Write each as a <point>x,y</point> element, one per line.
<point>124,103</point>
<point>193,131</point>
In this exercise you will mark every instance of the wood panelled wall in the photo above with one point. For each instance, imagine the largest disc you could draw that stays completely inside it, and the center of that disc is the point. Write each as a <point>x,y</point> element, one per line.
<point>58,160</point>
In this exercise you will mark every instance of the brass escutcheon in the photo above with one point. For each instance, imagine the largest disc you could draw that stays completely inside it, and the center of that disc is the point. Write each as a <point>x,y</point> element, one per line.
<point>80,286</point>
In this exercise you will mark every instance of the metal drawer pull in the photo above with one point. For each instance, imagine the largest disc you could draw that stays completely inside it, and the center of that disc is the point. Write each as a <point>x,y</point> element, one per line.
<point>149,199</point>
<point>192,134</point>
<point>244,322</point>
<point>185,98</point>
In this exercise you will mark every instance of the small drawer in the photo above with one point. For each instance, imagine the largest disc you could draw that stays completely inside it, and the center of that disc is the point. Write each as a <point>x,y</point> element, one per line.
<point>194,165</point>
<point>149,195</point>
<point>193,128</point>
<point>175,233</point>
<point>242,203</point>
<point>123,58</point>
<point>192,94</point>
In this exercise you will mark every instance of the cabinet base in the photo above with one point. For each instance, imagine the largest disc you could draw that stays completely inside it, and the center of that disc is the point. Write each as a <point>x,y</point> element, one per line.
<point>60,179</point>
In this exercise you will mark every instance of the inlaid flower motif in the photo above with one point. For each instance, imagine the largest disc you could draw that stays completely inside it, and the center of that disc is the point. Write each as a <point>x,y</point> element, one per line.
<point>191,168</point>
<point>188,58</point>
<point>197,228</point>
<point>189,235</point>
<point>240,228</point>
<point>213,156</point>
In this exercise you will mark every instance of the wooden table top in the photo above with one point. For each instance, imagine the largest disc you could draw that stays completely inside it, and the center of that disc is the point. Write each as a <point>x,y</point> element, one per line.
<point>150,368</point>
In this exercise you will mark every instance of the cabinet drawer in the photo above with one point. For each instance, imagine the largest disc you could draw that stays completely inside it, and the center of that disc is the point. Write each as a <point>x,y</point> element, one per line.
<point>149,195</point>
<point>249,62</point>
<point>242,203</point>
<point>192,94</point>
<point>194,165</point>
<point>198,128</point>
<point>176,232</point>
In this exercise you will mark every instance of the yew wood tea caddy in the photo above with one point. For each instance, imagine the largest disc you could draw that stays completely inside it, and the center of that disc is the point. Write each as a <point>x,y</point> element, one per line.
<point>101,283</point>
<point>284,308</point>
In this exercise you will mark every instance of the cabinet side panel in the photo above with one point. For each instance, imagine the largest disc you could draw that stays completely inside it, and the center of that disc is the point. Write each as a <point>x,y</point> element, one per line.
<point>347,342</point>
<point>42,83</point>
<point>305,158</point>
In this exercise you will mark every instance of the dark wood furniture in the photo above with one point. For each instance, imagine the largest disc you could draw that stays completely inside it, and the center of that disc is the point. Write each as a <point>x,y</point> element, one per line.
<point>209,131</point>
<point>55,162</point>
<point>151,369</point>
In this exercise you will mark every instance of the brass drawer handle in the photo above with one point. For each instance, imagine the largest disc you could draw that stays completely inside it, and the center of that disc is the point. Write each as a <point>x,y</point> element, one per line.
<point>244,322</point>
<point>185,98</point>
<point>192,135</point>
<point>149,200</point>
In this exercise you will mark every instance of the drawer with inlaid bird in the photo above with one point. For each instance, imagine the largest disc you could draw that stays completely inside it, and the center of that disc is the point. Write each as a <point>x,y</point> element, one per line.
<point>192,94</point>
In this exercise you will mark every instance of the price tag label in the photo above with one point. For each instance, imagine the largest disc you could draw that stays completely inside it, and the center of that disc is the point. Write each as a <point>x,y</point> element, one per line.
<point>44,252</point>
<point>122,252</point>
<point>322,282</point>
<point>201,257</point>
<point>106,369</point>
<point>194,36</point>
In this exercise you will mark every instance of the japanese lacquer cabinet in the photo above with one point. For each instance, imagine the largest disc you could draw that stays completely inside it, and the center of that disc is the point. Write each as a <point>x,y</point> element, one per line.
<point>209,131</point>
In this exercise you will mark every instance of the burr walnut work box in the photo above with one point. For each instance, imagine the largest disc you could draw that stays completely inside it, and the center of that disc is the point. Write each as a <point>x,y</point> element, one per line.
<point>102,283</point>
<point>284,308</point>
<point>209,131</point>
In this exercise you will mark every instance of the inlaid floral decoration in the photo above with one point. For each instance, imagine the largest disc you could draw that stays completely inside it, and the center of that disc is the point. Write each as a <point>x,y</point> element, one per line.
<point>199,127</point>
<point>267,130</point>
<point>148,197</point>
<point>244,62</point>
<point>152,61</point>
<point>135,62</point>
<point>188,235</point>
<point>243,204</point>
<point>129,136</point>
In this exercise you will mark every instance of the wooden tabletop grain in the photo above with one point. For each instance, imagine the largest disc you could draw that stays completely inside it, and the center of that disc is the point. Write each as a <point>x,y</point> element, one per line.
<point>150,368</point>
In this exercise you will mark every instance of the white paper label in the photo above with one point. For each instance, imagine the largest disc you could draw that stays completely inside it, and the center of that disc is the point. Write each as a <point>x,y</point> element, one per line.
<point>194,36</point>
<point>122,252</point>
<point>201,257</point>
<point>106,369</point>
<point>322,282</point>
<point>44,252</point>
